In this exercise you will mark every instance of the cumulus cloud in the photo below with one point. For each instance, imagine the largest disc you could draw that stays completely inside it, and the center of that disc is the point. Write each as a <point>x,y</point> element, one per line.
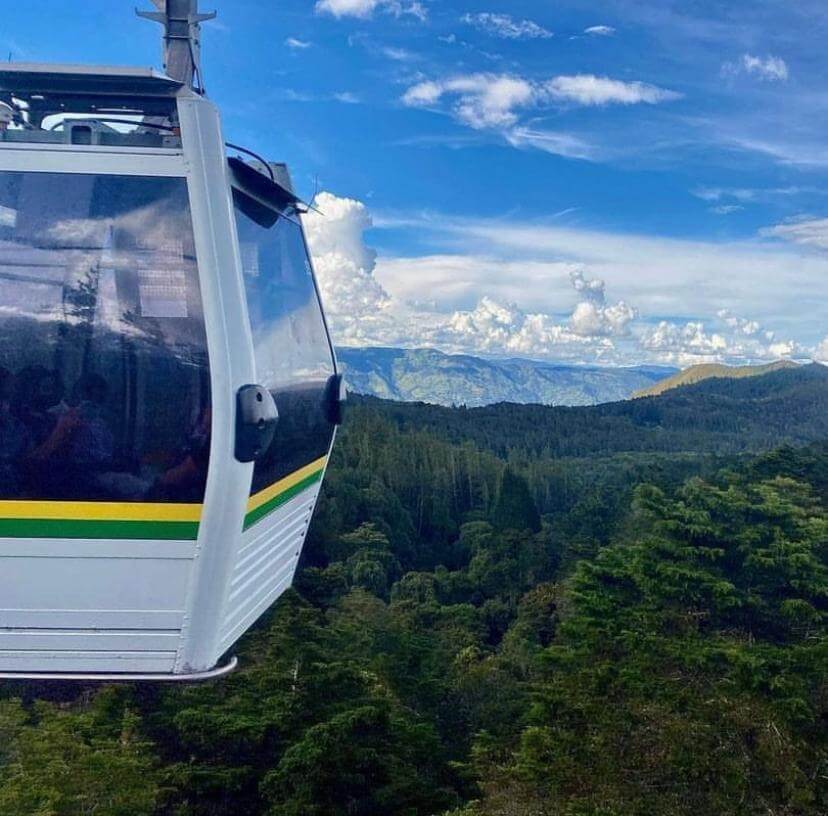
<point>591,90</point>
<point>821,351</point>
<point>685,344</point>
<point>484,100</point>
<point>344,264</point>
<point>502,25</point>
<point>749,328</point>
<point>770,69</point>
<point>808,232</point>
<point>600,31</point>
<point>593,317</point>
<point>496,328</point>
<point>361,311</point>
<point>738,339</point>
<point>363,9</point>
<point>422,301</point>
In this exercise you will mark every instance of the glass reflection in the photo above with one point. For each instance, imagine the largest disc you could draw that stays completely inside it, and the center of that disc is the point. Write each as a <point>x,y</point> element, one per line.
<point>293,353</point>
<point>104,377</point>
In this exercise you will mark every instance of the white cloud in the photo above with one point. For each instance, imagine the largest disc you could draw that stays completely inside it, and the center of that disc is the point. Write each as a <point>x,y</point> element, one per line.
<point>344,264</point>
<point>684,345</point>
<point>495,328</point>
<point>399,54</point>
<point>473,297</point>
<point>347,98</point>
<point>502,25</point>
<point>747,195</point>
<point>591,90</point>
<point>726,209</point>
<point>821,351</point>
<point>748,328</point>
<point>593,317</point>
<point>550,141</point>
<point>363,9</point>
<point>297,44</point>
<point>482,100</point>
<point>600,31</point>
<point>771,69</point>
<point>495,100</point>
<point>808,232</point>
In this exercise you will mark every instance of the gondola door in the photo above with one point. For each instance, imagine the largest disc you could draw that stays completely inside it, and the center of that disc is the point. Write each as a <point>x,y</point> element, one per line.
<point>294,361</point>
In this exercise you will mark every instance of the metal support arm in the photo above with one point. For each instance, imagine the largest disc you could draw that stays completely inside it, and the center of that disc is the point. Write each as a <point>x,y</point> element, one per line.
<point>182,39</point>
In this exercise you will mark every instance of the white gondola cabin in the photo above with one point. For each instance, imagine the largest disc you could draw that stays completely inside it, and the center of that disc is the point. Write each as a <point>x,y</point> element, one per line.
<point>168,388</point>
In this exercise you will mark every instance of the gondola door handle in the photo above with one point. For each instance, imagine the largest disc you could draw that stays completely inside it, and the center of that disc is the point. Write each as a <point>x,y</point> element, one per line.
<point>256,420</point>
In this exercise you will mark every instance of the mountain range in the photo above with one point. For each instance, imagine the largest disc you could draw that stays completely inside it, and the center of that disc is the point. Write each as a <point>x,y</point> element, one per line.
<point>720,415</point>
<point>427,375</point>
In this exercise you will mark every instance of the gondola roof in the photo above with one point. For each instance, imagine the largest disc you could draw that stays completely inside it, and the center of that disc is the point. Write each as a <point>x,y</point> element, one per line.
<point>34,77</point>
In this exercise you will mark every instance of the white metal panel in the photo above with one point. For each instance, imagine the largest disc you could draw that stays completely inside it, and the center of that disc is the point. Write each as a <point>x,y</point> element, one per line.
<point>62,640</point>
<point>90,614</point>
<point>266,564</point>
<point>93,618</point>
<point>96,548</point>
<point>97,160</point>
<point>109,662</point>
<point>91,584</point>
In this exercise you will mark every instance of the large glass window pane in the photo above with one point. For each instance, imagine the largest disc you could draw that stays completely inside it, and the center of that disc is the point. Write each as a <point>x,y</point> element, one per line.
<point>293,354</point>
<point>104,381</point>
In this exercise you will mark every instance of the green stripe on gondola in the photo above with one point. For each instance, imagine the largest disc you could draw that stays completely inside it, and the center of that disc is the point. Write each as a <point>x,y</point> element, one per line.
<point>277,501</point>
<point>77,528</point>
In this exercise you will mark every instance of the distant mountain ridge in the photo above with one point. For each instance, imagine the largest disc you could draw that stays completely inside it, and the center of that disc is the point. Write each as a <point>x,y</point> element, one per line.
<point>709,371</point>
<point>427,375</point>
<point>719,415</point>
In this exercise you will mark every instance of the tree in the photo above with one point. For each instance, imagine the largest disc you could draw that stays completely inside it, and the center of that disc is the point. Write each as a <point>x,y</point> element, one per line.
<point>515,508</point>
<point>688,675</point>
<point>62,763</point>
<point>364,761</point>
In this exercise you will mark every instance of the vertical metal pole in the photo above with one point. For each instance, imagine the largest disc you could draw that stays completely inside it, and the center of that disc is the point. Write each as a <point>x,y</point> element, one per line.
<point>182,39</point>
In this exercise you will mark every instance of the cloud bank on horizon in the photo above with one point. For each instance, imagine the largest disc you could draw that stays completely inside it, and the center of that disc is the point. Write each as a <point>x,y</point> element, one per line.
<point>372,300</point>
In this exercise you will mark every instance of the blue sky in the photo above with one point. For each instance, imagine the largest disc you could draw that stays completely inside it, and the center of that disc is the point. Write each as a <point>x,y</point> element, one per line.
<point>608,182</point>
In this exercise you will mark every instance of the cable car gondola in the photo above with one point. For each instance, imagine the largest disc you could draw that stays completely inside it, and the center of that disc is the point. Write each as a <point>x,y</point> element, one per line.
<point>168,388</point>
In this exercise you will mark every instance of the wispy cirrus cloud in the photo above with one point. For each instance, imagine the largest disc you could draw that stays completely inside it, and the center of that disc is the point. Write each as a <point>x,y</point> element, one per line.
<point>600,31</point>
<point>556,142</point>
<point>769,68</point>
<point>747,195</point>
<point>810,232</point>
<point>295,44</point>
<point>506,27</point>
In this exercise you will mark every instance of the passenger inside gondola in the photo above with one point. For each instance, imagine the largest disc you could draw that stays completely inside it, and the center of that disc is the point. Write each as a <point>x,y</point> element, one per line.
<point>79,447</point>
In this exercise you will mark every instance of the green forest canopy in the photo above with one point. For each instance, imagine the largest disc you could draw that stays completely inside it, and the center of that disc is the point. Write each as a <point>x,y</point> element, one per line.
<point>514,610</point>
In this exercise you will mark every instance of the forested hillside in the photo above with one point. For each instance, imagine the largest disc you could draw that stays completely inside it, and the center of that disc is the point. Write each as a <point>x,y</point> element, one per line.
<point>505,611</point>
<point>709,371</point>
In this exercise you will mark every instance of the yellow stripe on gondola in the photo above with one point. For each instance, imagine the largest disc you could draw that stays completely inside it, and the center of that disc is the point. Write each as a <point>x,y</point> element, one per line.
<point>99,511</point>
<point>282,486</point>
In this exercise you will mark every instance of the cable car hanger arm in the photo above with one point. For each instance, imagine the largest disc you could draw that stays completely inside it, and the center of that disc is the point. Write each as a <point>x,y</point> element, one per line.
<point>182,38</point>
